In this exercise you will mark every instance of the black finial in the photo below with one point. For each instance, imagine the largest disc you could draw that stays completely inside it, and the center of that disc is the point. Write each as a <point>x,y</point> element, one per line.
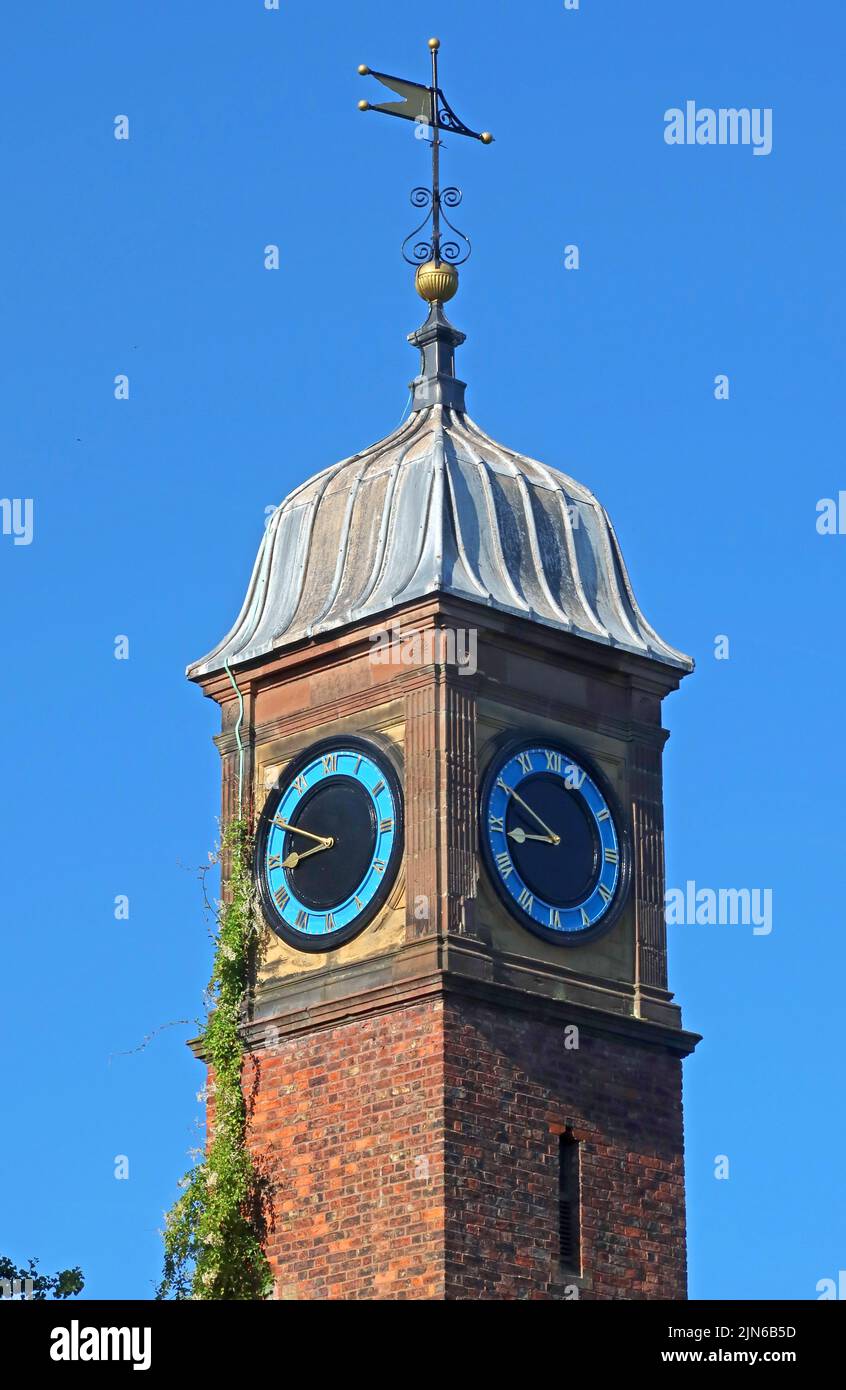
<point>437,383</point>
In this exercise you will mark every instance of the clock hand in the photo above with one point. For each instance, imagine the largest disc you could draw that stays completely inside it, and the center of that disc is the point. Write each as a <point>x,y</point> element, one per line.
<point>556,839</point>
<point>295,829</point>
<point>293,859</point>
<point>521,835</point>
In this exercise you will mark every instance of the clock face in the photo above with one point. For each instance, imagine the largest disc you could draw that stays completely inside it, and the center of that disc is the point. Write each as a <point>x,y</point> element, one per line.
<point>329,843</point>
<point>552,841</point>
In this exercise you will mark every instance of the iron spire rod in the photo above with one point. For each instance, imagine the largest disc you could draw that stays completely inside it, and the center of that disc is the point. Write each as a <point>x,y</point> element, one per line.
<point>436,146</point>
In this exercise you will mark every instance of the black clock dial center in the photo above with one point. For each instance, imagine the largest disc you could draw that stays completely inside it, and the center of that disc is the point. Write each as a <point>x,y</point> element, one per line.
<point>562,873</point>
<point>338,809</point>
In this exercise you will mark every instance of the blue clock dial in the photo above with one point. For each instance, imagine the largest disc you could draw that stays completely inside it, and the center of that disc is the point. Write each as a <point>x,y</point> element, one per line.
<point>552,841</point>
<point>329,843</point>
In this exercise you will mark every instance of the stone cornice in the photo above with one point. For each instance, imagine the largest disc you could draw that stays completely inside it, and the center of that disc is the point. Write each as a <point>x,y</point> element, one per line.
<point>439,969</point>
<point>515,633</point>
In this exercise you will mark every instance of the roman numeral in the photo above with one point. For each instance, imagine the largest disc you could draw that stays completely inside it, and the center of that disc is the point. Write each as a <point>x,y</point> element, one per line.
<point>300,783</point>
<point>504,785</point>
<point>379,866</point>
<point>611,856</point>
<point>281,896</point>
<point>274,861</point>
<point>504,864</point>
<point>604,893</point>
<point>357,900</point>
<point>526,900</point>
<point>585,918</point>
<point>385,825</point>
<point>497,823</point>
<point>554,919</point>
<point>330,922</point>
<point>553,761</point>
<point>357,763</point>
<point>302,919</point>
<point>380,787</point>
<point>525,761</point>
<point>604,814</point>
<point>330,762</point>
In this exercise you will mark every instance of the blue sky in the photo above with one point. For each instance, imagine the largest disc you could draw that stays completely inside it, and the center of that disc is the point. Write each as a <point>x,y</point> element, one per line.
<point>145,257</point>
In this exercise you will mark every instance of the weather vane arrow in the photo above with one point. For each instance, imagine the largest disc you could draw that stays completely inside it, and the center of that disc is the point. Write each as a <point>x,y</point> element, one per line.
<point>428,106</point>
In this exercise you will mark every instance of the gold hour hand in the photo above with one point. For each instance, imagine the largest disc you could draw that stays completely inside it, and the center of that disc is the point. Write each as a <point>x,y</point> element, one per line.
<point>522,835</point>
<point>293,859</point>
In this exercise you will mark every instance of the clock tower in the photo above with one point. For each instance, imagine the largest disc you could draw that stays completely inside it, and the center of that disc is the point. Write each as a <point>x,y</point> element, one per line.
<point>441,706</point>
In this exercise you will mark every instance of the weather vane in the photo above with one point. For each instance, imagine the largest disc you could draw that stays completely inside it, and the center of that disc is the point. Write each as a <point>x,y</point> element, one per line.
<point>435,255</point>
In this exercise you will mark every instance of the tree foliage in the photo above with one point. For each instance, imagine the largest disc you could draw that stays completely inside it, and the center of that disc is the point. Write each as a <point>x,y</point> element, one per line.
<point>28,1282</point>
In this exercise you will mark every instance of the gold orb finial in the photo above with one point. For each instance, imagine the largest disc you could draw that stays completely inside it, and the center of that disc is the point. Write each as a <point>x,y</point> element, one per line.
<point>364,106</point>
<point>486,137</point>
<point>434,44</point>
<point>363,69</point>
<point>435,281</point>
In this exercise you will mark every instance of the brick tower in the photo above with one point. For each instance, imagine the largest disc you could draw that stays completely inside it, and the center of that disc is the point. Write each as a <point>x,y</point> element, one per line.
<point>465,1071</point>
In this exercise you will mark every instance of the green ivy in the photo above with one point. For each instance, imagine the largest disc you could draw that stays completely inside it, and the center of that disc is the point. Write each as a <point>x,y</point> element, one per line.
<point>213,1237</point>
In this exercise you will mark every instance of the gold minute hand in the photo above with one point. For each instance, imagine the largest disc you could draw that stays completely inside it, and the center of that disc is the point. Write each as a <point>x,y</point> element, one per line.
<point>295,830</point>
<point>556,839</point>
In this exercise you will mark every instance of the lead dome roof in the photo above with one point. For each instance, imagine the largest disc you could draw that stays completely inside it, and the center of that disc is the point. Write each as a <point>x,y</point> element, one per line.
<point>437,507</point>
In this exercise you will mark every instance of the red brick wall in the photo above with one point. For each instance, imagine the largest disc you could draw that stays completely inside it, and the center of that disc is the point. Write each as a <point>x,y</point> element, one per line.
<point>511,1087</point>
<point>350,1123</point>
<point>413,1155</point>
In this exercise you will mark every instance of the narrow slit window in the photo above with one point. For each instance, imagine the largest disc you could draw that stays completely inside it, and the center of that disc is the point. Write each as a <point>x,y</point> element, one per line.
<point>569,1205</point>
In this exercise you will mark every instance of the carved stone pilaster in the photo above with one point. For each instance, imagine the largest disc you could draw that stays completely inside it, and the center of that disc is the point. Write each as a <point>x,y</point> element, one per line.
<point>458,706</point>
<point>421,811</point>
<point>440,779</point>
<point>648,829</point>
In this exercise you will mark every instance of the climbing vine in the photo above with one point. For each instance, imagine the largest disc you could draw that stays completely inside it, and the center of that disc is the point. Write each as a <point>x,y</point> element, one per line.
<point>213,1237</point>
